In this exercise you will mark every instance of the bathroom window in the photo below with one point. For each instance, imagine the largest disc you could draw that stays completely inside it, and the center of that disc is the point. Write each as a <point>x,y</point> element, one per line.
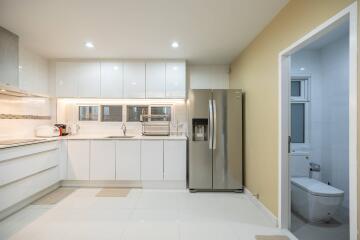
<point>134,112</point>
<point>161,110</point>
<point>88,113</point>
<point>298,122</point>
<point>299,88</point>
<point>111,113</point>
<point>300,103</point>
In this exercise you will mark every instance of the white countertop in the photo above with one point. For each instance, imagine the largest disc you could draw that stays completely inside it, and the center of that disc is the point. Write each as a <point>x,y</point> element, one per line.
<point>94,137</point>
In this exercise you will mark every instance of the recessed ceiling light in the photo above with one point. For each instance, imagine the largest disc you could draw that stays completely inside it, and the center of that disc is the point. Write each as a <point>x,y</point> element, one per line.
<point>175,45</point>
<point>89,45</point>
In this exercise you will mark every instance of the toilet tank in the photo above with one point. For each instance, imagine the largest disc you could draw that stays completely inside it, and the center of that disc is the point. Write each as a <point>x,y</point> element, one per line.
<point>299,165</point>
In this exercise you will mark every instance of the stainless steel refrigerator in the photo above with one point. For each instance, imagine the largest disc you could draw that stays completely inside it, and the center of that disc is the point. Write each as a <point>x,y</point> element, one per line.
<point>215,140</point>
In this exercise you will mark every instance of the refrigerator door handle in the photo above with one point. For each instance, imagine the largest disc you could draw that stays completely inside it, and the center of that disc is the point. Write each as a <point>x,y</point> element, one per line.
<point>210,124</point>
<point>214,124</point>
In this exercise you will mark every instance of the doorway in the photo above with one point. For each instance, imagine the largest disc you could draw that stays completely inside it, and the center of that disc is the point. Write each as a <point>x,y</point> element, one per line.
<point>304,102</point>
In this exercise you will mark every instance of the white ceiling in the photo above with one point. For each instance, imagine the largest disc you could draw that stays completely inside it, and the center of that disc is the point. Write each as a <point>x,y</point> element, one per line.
<point>209,31</point>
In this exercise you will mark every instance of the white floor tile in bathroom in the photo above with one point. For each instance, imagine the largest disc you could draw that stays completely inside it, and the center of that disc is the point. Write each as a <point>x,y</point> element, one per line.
<point>307,231</point>
<point>143,214</point>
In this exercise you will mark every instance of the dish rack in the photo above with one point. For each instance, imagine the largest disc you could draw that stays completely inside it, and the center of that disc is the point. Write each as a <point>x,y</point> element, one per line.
<point>155,125</point>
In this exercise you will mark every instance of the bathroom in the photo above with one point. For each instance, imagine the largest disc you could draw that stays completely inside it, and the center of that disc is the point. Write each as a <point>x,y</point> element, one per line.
<point>319,155</point>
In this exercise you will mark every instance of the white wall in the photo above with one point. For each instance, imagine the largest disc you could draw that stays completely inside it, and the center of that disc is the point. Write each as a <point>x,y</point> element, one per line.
<point>328,68</point>
<point>307,63</point>
<point>33,77</point>
<point>67,113</point>
<point>19,128</point>
<point>335,127</point>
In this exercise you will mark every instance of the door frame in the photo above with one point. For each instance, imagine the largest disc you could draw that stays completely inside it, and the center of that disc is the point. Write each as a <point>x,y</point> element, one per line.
<point>284,201</point>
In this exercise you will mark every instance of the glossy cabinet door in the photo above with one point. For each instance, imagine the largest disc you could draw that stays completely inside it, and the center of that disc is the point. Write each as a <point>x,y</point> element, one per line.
<point>175,79</point>
<point>155,80</point>
<point>175,160</point>
<point>78,79</point>
<point>102,160</point>
<point>88,75</point>
<point>78,159</point>
<point>112,80</point>
<point>152,161</point>
<point>128,160</point>
<point>9,58</point>
<point>33,72</point>
<point>134,80</point>
<point>66,80</point>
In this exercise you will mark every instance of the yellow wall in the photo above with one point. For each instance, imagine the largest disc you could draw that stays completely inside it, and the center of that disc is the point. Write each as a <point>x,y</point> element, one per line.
<point>256,71</point>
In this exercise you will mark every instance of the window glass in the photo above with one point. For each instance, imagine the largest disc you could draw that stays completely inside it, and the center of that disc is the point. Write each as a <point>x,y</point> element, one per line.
<point>298,122</point>
<point>111,113</point>
<point>161,110</point>
<point>295,88</point>
<point>88,113</point>
<point>134,112</point>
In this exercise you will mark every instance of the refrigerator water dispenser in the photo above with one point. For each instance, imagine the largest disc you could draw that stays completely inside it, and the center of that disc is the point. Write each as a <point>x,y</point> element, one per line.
<point>200,128</point>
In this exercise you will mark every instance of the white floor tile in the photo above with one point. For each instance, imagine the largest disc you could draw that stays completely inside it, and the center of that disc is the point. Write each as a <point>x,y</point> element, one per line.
<point>143,214</point>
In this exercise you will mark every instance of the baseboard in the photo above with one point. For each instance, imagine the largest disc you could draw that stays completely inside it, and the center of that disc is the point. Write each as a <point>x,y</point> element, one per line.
<point>20,205</point>
<point>262,207</point>
<point>126,184</point>
<point>100,184</point>
<point>164,184</point>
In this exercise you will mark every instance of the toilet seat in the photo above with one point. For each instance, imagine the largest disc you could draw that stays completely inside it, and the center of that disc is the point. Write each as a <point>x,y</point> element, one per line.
<point>316,187</point>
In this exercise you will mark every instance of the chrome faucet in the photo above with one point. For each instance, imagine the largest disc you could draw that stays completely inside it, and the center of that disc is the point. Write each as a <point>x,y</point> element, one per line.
<point>123,127</point>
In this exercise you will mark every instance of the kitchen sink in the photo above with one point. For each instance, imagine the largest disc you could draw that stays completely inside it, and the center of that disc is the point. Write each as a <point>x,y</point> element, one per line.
<point>120,137</point>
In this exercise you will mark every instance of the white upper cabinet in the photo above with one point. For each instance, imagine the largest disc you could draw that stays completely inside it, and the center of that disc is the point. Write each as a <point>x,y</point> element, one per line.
<point>33,72</point>
<point>66,80</point>
<point>134,80</point>
<point>78,79</point>
<point>175,79</point>
<point>209,76</point>
<point>88,79</point>
<point>112,79</point>
<point>155,80</point>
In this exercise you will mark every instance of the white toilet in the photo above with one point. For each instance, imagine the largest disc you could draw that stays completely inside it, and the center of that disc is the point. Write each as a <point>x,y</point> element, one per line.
<point>313,200</point>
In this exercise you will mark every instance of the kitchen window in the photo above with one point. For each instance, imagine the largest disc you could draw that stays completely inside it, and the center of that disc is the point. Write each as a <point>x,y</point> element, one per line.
<point>111,113</point>
<point>161,110</point>
<point>134,112</point>
<point>88,113</point>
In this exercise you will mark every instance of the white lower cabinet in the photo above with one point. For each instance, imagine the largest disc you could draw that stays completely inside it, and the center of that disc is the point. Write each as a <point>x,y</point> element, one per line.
<point>128,160</point>
<point>152,160</point>
<point>102,160</point>
<point>175,160</point>
<point>78,160</point>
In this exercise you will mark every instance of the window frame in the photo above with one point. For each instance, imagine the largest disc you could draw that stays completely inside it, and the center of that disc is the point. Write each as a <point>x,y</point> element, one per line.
<point>134,105</point>
<point>87,105</point>
<point>101,113</point>
<point>163,105</point>
<point>306,100</point>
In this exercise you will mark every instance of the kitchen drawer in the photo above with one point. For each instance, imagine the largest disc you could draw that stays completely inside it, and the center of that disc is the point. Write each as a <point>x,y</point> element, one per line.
<point>19,168</point>
<point>26,150</point>
<point>15,192</point>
